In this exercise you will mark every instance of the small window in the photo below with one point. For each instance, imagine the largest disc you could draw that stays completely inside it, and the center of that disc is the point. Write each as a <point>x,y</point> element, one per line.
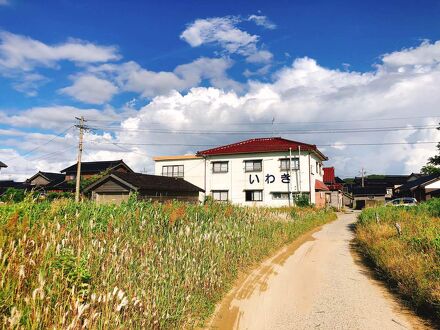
<point>219,167</point>
<point>254,195</point>
<point>280,195</point>
<point>173,170</point>
<point>220,195</point>
<point>285,164</point>
<point>253,166</point>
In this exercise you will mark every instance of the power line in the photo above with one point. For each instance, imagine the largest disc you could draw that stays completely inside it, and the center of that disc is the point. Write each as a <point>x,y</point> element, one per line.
<point>216,145</point>
<point>41,145</point>
<point>285,132</point>
<point>295,122</point>
<point>50,155</point>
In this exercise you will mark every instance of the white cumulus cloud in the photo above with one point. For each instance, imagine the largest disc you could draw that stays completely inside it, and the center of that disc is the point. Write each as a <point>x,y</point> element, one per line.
<point>24,53</point>
<point>309,102</point>
<point>224,32</point>
<point>91,89</point>
<point>425,54</point>
<point>263,21</point>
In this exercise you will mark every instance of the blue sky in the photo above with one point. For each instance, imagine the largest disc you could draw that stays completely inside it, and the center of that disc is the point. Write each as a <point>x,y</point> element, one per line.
<point>302,61</point>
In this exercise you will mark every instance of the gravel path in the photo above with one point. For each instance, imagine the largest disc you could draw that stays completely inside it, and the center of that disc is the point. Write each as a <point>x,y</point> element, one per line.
<point>315,283</point>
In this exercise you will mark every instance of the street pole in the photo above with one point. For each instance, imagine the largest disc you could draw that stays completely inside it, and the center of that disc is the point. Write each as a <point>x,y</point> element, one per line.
<point>290,176</point>
<point>80,149</point>
<point>363,173</point>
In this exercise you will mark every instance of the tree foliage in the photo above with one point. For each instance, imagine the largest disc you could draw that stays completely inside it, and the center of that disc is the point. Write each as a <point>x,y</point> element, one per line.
<point>433,165</point>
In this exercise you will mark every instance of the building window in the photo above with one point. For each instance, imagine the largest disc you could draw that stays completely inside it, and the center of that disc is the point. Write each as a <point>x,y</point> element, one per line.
<point>220,195</point>
<point>173,170</point>
<point>254,195</point>
<point>280,195</point>
<point>253,165</point>
<point>219,167</point>
<point>285,164</point>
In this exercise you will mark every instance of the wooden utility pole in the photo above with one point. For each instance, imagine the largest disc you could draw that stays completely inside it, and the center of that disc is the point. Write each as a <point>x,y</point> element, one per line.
<point>80,149</point>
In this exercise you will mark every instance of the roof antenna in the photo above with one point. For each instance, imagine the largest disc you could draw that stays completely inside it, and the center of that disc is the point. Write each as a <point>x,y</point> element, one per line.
<point>273,121</point>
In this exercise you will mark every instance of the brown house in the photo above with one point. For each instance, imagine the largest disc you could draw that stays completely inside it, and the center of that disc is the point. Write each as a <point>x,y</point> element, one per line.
<point>422,188</point>
<point>117,186</point>
<point>45,178</point>
<point>89,169</point>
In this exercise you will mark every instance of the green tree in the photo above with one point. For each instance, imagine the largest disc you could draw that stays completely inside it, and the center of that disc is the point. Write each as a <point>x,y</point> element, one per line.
<point>433,165</point>
<point>13,195</point>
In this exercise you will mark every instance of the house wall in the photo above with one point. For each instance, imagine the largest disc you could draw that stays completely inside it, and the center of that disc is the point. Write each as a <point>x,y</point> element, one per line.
<point>194,171</point>
<point>359,202</point>
<point>39,181</point>
<point>335,199</point>
<point>112,191</point>
<point>433,186</point>
<point>320,199</point>
<point>347,201</point>
<point>236,181</point>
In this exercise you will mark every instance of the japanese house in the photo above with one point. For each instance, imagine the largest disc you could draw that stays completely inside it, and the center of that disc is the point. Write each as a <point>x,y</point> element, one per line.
<point>376,189</point>
<point>335,195</point>
<point>262,171</point>
<point>45,178</point>
<point>117,186</point>
<point>49,182</point>
<point>89,169</point>
<point>421,188</point>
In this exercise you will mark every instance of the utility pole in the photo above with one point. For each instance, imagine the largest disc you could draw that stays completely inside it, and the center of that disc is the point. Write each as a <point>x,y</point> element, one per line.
<point>80,149</point>
<point>363,172</point>
<point>290,177</point>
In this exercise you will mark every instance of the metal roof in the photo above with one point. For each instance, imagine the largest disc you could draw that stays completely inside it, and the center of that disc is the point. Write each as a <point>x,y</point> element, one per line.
<point>259,145</point>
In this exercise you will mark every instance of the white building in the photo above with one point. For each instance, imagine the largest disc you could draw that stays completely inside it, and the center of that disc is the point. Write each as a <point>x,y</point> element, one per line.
<point>263,171</point>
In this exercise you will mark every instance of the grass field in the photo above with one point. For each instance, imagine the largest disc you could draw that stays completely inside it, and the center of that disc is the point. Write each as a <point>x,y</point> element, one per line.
<point>411,259</point>
<point>139,265</point>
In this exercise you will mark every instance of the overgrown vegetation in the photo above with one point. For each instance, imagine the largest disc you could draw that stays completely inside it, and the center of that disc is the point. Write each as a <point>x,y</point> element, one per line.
<point>13,195</point>
<point>138,265</point>
<point>411,259</point>
<point>433,164</point>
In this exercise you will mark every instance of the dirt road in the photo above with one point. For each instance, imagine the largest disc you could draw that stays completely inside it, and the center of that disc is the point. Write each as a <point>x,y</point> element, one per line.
<point>313,284</point>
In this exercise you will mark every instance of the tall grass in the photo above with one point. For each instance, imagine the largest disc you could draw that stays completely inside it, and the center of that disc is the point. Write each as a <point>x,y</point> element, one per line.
<point>411,259</point>
<point>138,265</point>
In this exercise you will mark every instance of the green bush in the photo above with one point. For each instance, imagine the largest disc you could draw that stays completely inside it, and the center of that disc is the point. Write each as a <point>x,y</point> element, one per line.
<point>302,200</point>
<point>13,195</point>
<point>57,195</point>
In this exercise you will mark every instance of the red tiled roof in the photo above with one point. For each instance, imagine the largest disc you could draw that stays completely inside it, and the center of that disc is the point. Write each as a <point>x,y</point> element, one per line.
<point>335,186</point>
<point>261,145</point>
<point>329,175</point>
<point>319,185</point>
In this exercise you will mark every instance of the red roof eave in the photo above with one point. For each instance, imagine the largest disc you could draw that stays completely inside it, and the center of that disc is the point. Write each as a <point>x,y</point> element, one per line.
<point>319,185</point>
<point>262,145</point>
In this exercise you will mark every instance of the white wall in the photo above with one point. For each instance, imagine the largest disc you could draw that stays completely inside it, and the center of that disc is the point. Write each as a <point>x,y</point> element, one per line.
<point>433,186</point>
<point>193,170</point>
<point>236,180</point>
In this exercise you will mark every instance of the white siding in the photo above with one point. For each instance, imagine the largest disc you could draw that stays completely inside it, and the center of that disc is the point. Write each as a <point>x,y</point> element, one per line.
<point>236,181</point>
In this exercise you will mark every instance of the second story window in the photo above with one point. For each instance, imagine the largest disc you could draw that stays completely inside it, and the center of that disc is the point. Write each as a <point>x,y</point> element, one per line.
<point>286,162</point>
<point>219,167</point>
<point>253,165</point>
<point>173,170</point>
